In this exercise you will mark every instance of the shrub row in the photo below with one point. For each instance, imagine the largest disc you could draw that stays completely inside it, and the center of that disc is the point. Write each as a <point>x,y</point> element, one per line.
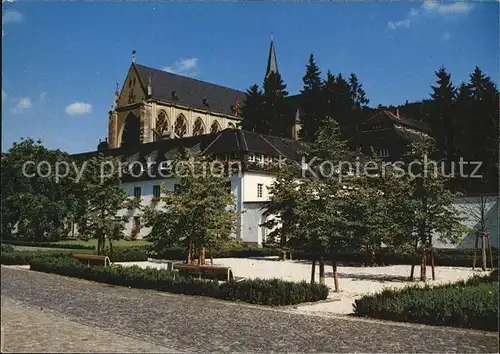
<point>24,257</point>
<point>443,257</point>
<point>273,292</point>
<point>48,244</point>
<point>11,256</point>
<point>177,253</point>
<point>468,304</point>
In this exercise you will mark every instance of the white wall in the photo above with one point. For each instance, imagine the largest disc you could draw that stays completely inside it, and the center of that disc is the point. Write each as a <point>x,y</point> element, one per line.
<point>147,196</point>
<point>249,186</point>
<point>468,208</point>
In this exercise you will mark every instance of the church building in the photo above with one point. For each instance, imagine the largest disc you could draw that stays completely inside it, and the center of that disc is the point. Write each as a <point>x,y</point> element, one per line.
<point>154,105</point>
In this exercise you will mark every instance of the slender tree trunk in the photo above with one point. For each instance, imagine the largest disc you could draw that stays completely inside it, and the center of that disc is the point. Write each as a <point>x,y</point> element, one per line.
<point>432,264</point>
<point>313,270</point>
<point>211,256</point>
<point>423,267</point>
<point>373,262</point>
<point>489,247</point>
<point>201,256</point>
<point>190,251</point>
<point>483,253</point>
<point>110,247</point>
<point>321,271</point>
<point>474,260</point>
<point>412,272</point>
<point>335,275</point>
<point>99,245</point>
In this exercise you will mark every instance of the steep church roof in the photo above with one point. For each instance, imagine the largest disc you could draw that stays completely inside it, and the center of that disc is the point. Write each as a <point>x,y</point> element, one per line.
<point>189,92</point>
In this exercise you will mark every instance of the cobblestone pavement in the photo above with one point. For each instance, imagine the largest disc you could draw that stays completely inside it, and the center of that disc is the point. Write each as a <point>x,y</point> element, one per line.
<point>154,321</point>
<point>27,329</point>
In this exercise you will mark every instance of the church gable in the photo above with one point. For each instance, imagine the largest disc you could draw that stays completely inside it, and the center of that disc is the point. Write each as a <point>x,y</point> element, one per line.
<point>133,90</point>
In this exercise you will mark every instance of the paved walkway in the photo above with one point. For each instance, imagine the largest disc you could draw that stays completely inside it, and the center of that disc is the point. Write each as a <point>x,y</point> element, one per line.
<point>85,316</point>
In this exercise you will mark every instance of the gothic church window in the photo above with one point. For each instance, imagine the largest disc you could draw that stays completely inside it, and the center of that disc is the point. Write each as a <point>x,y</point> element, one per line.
<point>215,127</point>
<point>199,127</point>
<point>162,125</point>
<point>180,128</point>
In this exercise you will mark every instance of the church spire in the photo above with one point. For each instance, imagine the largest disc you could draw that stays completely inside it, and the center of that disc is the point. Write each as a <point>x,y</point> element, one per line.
<point>272,62</point>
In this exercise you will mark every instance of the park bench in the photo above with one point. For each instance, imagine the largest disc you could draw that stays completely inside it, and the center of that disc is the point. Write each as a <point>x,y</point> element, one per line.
<point>93,259</point>
<point>205,271</point>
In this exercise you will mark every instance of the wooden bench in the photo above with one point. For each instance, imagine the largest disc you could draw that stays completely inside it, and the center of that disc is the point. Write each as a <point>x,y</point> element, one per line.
<point>205,271</point>
<point>93,259</point>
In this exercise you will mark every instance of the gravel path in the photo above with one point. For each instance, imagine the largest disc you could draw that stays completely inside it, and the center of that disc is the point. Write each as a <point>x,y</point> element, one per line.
<point>166,322</point>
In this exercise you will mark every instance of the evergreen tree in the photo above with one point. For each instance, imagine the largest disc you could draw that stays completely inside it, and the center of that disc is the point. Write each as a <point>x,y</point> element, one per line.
<point>484,138</point>
<point>358,95</point>
<point>312,101</point>
<point>274,107</point>
<point>442,116</point>
<point>360,110</point>
<point>339,102</point>
<point>252,111</point>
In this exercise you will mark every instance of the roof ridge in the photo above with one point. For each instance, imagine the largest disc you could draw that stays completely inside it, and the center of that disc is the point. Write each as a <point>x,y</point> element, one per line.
<point>190,78</point>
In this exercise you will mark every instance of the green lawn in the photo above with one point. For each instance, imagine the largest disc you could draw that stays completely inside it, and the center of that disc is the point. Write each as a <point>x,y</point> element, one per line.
<point>118,243</point>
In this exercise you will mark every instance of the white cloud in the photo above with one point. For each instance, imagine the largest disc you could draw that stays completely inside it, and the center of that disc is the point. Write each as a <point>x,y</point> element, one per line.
<point>42,96</point>
<point>23,104</point>
<point>185,67</point>
<point>12,17</point>
<point>432,9</point>
<point>458,8</point>
<point>78,108</point>
<point>395,25</point>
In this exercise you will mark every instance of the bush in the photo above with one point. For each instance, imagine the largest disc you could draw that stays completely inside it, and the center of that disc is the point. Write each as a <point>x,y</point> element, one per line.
<point>468,304</point>
<point>24,257</point>
<point>7,248</point>
<point>48,245</point>
<point>128,254</point>
<point>273,292</point>
<point>443,257</point>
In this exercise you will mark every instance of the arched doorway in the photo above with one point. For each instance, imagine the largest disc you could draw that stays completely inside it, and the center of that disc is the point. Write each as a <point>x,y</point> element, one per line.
<point>131,136</point>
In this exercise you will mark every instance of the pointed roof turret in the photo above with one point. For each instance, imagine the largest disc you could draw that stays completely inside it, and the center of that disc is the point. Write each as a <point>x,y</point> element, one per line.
<point>272,62</point>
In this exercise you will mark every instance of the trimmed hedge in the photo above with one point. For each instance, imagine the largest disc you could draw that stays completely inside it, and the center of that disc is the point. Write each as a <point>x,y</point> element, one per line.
<point>273,292</point>
<point>128,254</point>
<point>468,304</point>
<point>24,257</point>
<point>48,245</point>
<point>177,253</point>
<point>443,257</point>
<point>120,254</point>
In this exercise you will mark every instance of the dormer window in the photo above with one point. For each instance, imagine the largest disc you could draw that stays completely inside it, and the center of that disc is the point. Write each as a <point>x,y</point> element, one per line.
<point>205,102</point>
<point>260,158</point>
<point>251,157</point>
<point>383,153</point>
<point>175,97</point>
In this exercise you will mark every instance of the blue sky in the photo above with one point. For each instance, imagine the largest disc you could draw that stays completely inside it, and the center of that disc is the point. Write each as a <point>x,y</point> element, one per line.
<point>61,61</point>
